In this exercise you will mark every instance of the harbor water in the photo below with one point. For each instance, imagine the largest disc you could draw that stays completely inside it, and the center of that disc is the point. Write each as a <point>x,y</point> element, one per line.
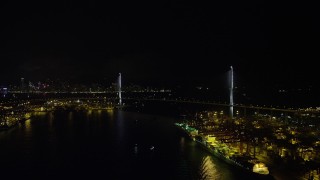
<point>111,144</point>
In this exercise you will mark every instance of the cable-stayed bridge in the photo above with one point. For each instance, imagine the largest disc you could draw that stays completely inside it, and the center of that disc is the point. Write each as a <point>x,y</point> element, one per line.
<point>118,99</point>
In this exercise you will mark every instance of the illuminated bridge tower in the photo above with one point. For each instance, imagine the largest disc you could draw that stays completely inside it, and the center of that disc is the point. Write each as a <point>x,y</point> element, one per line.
<point>119,89</point>
<point>231,93</point>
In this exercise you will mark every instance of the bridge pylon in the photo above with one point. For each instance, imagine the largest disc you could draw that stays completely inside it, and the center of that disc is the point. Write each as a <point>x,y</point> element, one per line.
<point>231,103</point>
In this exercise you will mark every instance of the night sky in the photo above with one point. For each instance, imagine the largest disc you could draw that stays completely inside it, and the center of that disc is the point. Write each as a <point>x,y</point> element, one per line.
<point>160,42</point>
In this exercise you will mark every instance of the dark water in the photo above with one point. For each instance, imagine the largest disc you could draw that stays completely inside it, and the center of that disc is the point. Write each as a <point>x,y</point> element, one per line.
<point>105,145</point>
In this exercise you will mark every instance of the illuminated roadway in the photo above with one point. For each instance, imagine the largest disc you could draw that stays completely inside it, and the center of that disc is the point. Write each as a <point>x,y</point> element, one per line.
<point>197,102</point>
<point>227,105</point>
<point>182,101</point>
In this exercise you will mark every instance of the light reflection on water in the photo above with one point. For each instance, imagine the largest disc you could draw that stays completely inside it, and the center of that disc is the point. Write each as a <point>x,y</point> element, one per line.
<point>182,143</point>
<point>208,170</point>
<point>28,127</point>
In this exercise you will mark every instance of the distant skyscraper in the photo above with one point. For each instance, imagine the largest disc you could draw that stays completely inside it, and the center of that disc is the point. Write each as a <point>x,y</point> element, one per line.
<point>22,85</point>
<point>4,91</point>
<point>119,89</point>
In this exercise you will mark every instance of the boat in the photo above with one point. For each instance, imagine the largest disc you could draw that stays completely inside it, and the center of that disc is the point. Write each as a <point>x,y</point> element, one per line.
<point>246,163</point>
